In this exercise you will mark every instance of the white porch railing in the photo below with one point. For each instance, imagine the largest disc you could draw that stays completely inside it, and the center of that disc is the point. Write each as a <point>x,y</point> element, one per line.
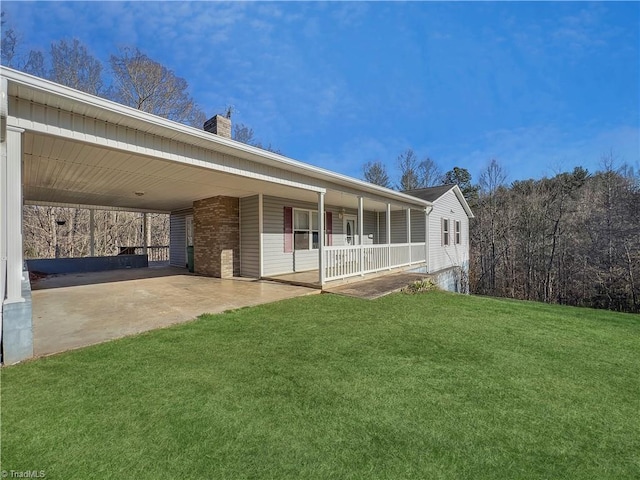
<point>344,261</point>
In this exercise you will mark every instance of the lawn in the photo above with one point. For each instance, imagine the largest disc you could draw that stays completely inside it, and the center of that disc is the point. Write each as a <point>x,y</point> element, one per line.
<point>432,385</point>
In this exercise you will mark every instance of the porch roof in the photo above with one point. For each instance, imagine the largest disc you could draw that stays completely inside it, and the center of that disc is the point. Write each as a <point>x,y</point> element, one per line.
<point>81,149</point>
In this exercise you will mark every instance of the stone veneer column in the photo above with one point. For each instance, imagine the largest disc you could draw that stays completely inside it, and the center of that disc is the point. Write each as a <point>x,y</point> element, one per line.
<point>216,239</point>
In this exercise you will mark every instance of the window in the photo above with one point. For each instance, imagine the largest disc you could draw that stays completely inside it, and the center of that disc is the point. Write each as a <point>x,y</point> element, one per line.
<point>458,236</point>
<point>305,229</point>
<point>445,231</point>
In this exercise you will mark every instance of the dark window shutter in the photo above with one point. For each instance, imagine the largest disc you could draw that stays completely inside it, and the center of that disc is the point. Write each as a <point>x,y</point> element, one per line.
<point>329,228</point>
<point>288,229</point>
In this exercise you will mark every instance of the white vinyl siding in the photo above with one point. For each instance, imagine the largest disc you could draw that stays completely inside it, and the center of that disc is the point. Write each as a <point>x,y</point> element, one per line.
<point>178,238</point>
<point>249,237</point>
<point>276,260</point>
<point>398,226</point>
<point>444,256</point>
<point>417,226</point>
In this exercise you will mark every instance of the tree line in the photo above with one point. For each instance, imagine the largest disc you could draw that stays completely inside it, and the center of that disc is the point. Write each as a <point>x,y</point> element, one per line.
<point>571,239</point>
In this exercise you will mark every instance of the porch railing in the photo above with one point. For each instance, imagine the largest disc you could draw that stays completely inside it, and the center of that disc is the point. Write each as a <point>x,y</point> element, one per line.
<point>155,253</point>
<point>344,261</point>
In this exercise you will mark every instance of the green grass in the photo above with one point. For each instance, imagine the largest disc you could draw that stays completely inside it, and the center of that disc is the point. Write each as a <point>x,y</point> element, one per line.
<point>433,385</point>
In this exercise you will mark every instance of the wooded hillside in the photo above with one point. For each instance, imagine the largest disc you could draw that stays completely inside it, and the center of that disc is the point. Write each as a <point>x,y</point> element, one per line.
<point>572,239</point>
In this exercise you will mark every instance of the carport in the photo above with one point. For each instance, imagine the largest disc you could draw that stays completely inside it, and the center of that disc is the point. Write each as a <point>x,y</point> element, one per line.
<point>61,147</point>
<point>76,310</point>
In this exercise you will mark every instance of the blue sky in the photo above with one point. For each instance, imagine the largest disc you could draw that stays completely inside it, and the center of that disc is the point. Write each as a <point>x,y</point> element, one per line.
<point>541,87</point>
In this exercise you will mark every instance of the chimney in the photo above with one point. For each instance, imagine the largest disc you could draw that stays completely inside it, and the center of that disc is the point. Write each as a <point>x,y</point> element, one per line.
<point>219,125</point>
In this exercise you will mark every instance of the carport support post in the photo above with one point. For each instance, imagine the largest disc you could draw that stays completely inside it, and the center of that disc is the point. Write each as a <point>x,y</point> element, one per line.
<point>17,324</point>
<point>261,232</point>
<point>12,205</point>
<point>409,232</point>
<point>92,233</point>
<point>388,226</point>
<point>321,234</point>
<point>146,233</point>
<point>361,231</point>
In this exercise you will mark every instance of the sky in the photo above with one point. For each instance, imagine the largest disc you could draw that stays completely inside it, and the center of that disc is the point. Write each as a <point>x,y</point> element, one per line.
<point>541,87</point>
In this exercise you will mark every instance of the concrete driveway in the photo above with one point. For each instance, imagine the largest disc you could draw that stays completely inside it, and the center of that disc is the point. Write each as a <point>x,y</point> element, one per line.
<point>76,310</point>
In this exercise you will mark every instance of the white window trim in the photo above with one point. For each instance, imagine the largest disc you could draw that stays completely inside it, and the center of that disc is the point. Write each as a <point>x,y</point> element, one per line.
<point>446,231</point>
<point>310,230</point>
<point>458,232</point>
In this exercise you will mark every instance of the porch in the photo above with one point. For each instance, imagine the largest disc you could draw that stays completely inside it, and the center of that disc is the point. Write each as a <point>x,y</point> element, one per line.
<point>65,148</point>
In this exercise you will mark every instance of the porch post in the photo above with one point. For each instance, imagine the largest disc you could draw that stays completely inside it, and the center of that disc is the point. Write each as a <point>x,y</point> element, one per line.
<point>427,211</point>
<point>92,233</point>
<point>388,225</point>
<point>361,231</point>
<point>409,232</point>
<point>12,205</point>
<point>145,233</point>
<point>260,233</point>
<point>321,234</point>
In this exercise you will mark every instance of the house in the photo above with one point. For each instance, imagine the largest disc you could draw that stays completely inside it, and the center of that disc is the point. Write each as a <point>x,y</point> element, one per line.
<point>449,238</point>
<point>245,211</point>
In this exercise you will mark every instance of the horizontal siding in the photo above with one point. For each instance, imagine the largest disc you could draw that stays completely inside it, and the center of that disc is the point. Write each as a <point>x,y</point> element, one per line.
<point>369,227</point>
<point>417,226</point>
<point>441,256</point>
<point>178,238</point>
<point>399,226</point>
<point>276,261</point>
<point>249,237</point>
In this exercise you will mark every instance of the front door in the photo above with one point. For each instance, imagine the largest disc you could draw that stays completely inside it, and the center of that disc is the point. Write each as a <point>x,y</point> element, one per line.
<point>350,232</point>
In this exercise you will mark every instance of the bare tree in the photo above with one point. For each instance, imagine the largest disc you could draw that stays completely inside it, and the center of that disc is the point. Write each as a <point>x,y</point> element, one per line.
<point>72,65</point>
<point>376,173</point>
<point>409,170</point>
<point>429,173</point>
<point>147,85</point>
<point>9,43</point>
<point>35,64</point>
<point>244,134</point>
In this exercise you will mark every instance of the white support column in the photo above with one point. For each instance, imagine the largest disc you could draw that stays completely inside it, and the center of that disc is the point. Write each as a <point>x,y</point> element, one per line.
<point>388,226</point>
<point>261,234</point>
<point>321,234</point>
<point>427,211</point>
<point>12,203</point>
<point>409,232</point>
<point>145,233</point>
<point>361,232</point>
<point>92,233</point>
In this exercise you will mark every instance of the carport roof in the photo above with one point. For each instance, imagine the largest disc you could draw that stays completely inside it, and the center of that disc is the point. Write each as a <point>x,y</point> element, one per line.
<point>87,182</point>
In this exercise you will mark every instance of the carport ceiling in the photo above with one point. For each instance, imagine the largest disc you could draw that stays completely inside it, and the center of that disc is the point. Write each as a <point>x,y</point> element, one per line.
<point>58,170</point>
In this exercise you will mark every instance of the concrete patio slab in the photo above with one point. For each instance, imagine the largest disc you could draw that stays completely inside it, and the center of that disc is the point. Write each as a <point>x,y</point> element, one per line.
<point>72,311</point>
<point>377,287</point>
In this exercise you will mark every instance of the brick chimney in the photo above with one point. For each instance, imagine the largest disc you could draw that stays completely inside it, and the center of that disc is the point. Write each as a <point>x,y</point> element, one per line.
<point>220,125</point>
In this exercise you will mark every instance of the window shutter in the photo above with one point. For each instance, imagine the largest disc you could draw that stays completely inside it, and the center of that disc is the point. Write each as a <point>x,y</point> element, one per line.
<point>329,228</point>
<point>288,229</point>
<point>441,231</point>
